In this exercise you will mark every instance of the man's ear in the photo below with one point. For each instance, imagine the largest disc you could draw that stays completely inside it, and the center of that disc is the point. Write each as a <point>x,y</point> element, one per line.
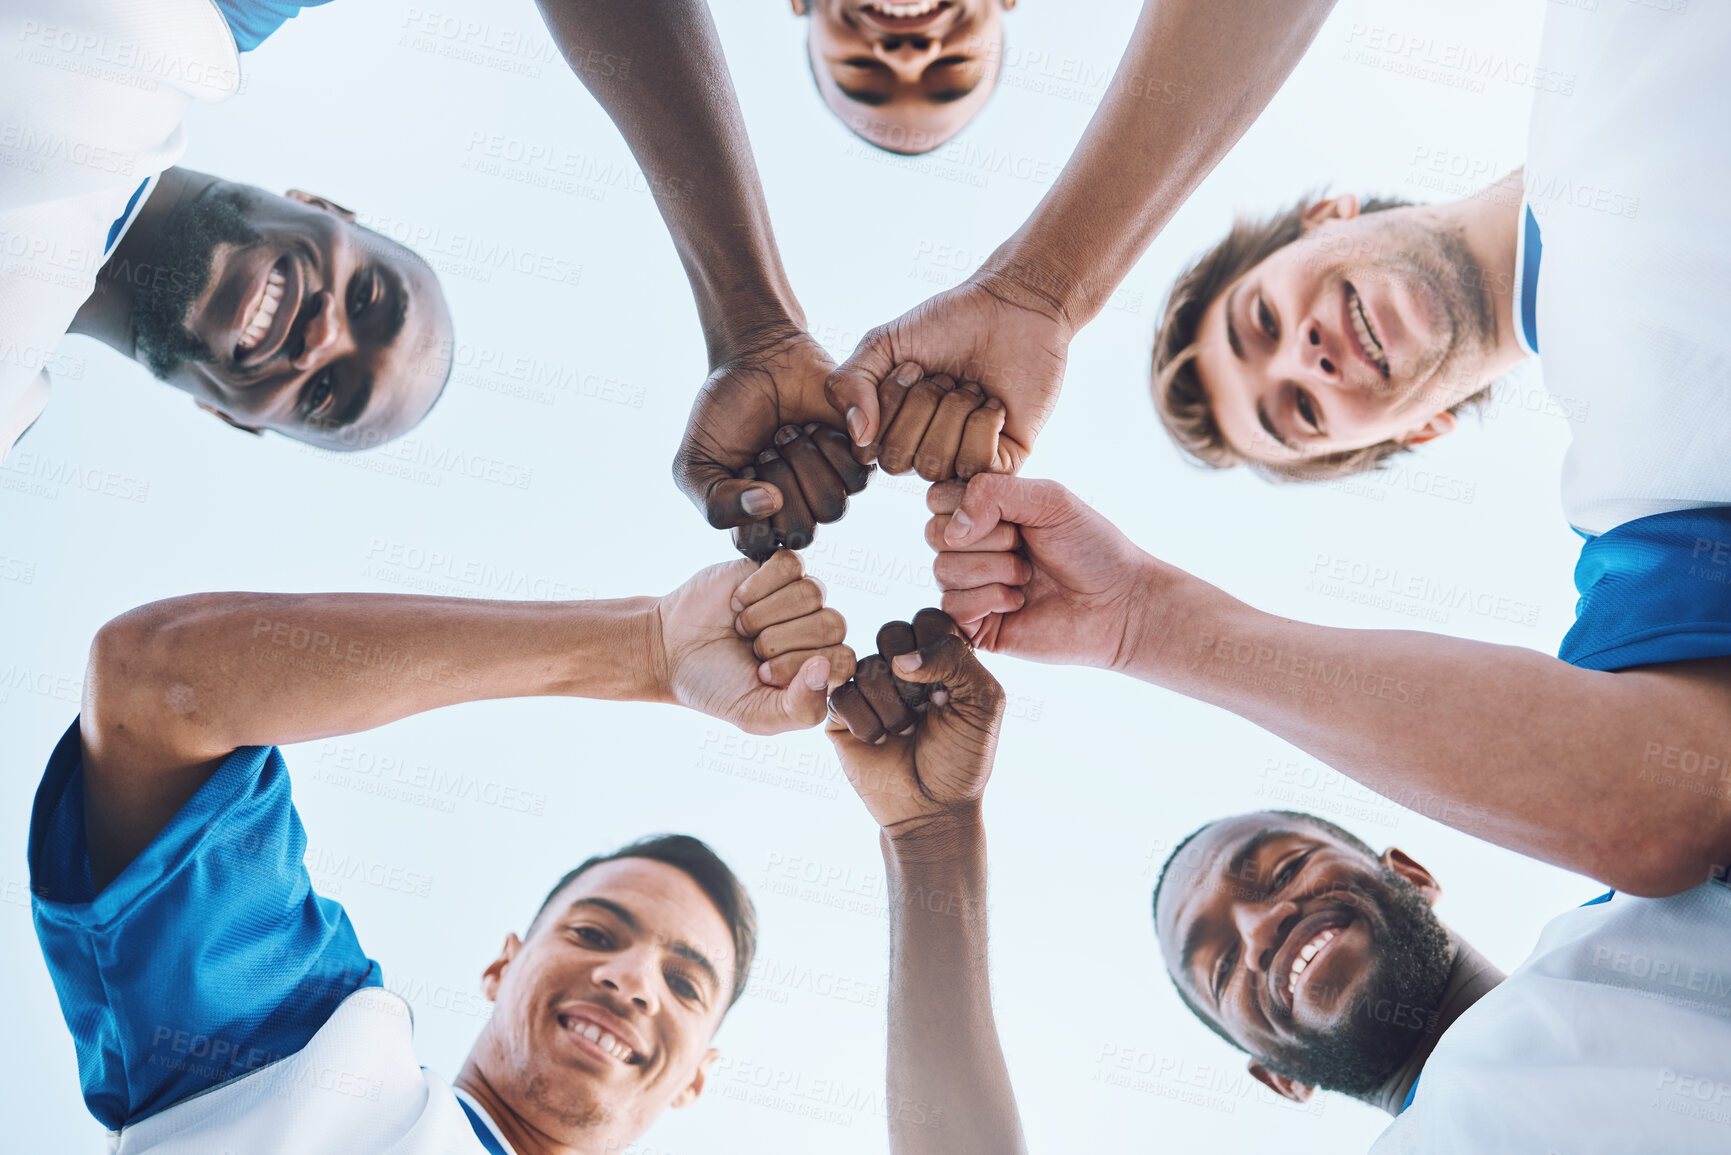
<point>799,8</point>
<point>1403,864</point>
<point>1438,425</point>
<point>1286,1088</point>
<point>229,421</point>
<point>495,972</point>
<point>693,1091</point>
<point>1341,208</point>
<point>319,202</point>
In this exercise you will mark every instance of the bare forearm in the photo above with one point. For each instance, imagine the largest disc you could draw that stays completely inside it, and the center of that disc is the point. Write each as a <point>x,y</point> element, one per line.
<point>200,676</point>
<point>1560,763</point>
<point>1196,75</point>
<point>948,1085</point>
<point>656,67</point>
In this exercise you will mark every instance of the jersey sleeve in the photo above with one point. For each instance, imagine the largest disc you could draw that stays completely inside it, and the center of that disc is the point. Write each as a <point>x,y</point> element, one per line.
<point>1656,589</point>
<point>209,956</point>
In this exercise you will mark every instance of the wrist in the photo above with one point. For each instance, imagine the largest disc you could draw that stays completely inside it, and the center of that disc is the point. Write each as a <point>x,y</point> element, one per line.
<point>1036,276</point>
<point>752,321</point>
<point>1172,618</point>
<point>946,837</point>
<point>646,668</point>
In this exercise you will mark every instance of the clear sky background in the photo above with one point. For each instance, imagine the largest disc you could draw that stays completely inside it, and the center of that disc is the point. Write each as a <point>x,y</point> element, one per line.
<point>557,485</point>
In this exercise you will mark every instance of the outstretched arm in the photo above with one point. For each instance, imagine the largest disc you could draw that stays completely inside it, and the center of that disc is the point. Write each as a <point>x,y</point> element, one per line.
<point>764,454</point>
<point>916,731</point>
<point>175,686</point>
<point>1195,76</point>
<point>1504,743</point>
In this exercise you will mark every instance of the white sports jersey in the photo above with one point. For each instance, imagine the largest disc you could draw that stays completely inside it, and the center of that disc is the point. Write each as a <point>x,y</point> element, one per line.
<point>1613,1038</point>
<point>354,1089</point>
<point>92,93</point>
<point>1628,159</point>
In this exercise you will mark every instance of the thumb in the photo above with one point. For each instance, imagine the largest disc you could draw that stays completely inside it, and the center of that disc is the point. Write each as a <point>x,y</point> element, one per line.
<point>730,501</point>
<point>805,701</point>
<point>952,661</point>
<point>995,497</point>
<point>852,389</point>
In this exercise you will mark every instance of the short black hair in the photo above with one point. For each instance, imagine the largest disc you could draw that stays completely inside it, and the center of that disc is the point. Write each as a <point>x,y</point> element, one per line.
<point>1324,824</point>
<point>708,871</point>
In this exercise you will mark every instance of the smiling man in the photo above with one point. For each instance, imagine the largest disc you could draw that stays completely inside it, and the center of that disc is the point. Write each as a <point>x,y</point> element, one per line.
<point>275,312</point>
<point>1296,942</point>
<point>218,1002</point>
<point>905,77</point>
<point>1326,339</point>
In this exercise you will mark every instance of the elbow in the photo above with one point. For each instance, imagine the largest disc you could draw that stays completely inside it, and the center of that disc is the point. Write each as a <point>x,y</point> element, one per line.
<point>131,671</point>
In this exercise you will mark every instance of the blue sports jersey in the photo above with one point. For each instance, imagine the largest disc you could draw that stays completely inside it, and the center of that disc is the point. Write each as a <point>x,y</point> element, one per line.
<point>252,21</point>
<point>1656,589</point>
<point>208,957</point>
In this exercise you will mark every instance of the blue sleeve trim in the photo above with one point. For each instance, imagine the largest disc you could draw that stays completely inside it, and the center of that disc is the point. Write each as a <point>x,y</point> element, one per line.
<point>1606,897</point>
<point>253,21</point>
<point>209,956</point>
<point>1410,1092</point>
<point>1656,589</point>
<point>1532,249</point>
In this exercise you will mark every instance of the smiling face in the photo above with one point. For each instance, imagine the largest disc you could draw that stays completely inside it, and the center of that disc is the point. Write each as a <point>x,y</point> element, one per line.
<point>281,313</point>
<point>906,76</point>
<point>1367,329</point>
<point>602,1017</point>
<point>1292,941</point>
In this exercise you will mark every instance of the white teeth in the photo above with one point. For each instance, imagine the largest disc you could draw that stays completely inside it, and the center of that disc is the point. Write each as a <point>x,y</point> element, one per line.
<point>263,311</point>
<point>905,11</point>
<point>1361,326</point>
<point>604,1040</point>
<point>1302,959</point>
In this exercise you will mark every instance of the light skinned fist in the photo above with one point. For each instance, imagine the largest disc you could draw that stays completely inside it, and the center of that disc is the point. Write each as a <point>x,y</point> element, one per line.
<point>754,645</point>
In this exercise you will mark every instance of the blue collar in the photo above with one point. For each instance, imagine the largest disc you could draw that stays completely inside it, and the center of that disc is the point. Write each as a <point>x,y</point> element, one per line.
<point>1410,1092</point>
<point>482,1132</point>
<point>119,225</point>
<point>1531,247</point>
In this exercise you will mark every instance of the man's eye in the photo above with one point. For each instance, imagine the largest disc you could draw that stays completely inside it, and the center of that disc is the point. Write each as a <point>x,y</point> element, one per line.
<point>590,936</point>
<point>681,986</point>
<point>318,396</point>
<point>1223,971</point>
<point>363,291</point>
<point>1266,320</point>
<point>1307,410</point>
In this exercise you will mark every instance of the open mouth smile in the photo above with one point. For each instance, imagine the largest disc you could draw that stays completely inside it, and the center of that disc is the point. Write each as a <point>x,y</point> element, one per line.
<point>1368,346</point>
<point>604,1041</point>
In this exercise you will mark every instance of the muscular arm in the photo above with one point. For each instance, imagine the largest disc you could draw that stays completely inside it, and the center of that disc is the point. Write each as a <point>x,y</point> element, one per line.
<point>1585,769</point>
<point>656,67</point>
<point>177,685</point>
<point>1516,747</point>
<point>1145,151</point>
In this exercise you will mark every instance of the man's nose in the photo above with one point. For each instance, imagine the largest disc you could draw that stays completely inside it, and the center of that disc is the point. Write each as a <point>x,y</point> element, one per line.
<point>907,55</point>
<point>1263,926</point>
<point>631,975</point>
<point>322,331</point>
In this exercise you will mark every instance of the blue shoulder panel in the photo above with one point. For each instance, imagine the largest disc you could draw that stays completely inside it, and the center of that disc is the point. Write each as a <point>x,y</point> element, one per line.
<point>209,956</point>
<point>1656,589</point>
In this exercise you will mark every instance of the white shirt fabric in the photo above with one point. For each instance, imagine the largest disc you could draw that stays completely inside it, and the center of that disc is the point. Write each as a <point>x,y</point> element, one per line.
<point>1628,161</point>
<point>1613,1038</point>
<point>354,1089</point>
<point>92,94</point>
